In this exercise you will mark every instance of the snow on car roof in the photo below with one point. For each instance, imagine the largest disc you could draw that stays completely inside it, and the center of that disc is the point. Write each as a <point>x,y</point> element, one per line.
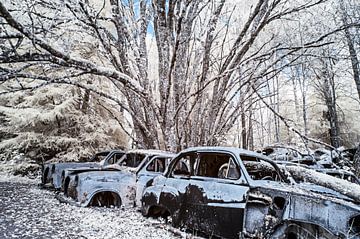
<point>109,151</point>
<point>151,151</point>
<point>114,150</point>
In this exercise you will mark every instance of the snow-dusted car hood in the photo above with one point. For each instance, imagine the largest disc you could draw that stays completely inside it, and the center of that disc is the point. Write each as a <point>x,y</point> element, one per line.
<point>103,175</point>
<point>108,168</point>
<point>309,190</point>
<point>323,191</point>
<point>75,165</point>
<point>83,169</point>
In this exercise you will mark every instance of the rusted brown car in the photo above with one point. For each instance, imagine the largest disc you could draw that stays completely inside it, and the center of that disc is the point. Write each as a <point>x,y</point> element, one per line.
<point>235,193</point>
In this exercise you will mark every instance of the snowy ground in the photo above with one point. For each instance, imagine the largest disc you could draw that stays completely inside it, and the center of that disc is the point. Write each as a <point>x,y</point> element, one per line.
<point>27,211</point>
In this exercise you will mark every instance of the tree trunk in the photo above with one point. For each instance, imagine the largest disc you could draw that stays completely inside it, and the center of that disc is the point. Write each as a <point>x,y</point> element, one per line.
<point>243,130</point>
<point>85,102</point>
<point>276,119</point>
<point>354,60</point>
<point>332,111</point>
<point>357,161</point>
<point>353,54</point>
<point>326,87</point>
<point>303,88</point>
<point>251,130</point>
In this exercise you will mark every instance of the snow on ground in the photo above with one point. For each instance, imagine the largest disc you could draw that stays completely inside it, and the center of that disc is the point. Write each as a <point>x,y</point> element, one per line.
<point>8,177</point>
<point>27,211</point>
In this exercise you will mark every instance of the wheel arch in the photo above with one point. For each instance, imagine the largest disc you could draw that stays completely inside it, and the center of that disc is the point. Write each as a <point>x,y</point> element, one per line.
<point>158,210</point>
<point>155,197</point>
<point>45,175</point>
<point>91,196</point>
<point>287,226</point>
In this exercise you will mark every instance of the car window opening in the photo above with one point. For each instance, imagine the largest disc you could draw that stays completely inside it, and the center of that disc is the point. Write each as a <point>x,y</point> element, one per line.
<point>212,165</point>
<point>156,165</point>
<point>259,169</point>
<point>115,158</point>
<point>99,156</point>
<point>132,160</point>
<point>217,166</point>
<point>185,165</point>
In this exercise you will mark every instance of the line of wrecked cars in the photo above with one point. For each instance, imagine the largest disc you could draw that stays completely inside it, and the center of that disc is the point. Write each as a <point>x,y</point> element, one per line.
<point>216,191</point>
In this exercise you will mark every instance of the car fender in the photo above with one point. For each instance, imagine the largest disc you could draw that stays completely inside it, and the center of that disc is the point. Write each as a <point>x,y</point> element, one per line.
<point>46,173</point>
<point>159,196</point>
<point>126,194</point>
<point>172,198</point>
<point>92,194</point>
<point>90,183</point>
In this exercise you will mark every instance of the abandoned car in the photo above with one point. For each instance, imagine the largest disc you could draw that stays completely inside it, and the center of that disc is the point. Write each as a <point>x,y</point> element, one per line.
<point>235,193</point>
<point>335,172</point>
<point>282,153</point>
<point>52,172</point>
<point>117,184</point>
<point>340,173</point>
<point>317,159</point>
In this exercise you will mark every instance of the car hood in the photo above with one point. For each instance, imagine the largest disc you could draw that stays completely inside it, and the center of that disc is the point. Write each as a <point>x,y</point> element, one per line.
<point>108,168</point>
<point>323,191</point>
<point>310,190</point>
<point>74,165</point>
<point>78,170</point>
<point>104,175</point>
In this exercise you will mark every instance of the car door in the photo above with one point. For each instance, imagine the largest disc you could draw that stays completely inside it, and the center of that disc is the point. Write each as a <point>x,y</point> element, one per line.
<point>215,196</point>
<point>153,168</point>
<point>175,183</point>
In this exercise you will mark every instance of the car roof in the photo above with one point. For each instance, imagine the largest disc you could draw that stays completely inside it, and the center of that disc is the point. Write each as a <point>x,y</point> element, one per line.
<point>117,151</point>
<point>152,152</point>
<point>110,151</point>
<point>234,150</point>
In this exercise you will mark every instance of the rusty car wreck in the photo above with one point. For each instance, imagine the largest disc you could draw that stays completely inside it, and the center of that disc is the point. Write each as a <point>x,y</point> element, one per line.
<point>118,184</point>
<point>235,193</point>
<point>52,172</point>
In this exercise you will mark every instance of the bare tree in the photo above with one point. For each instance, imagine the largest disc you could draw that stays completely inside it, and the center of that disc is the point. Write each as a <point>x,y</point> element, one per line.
<point>197,93</point>
<point>326,88</point>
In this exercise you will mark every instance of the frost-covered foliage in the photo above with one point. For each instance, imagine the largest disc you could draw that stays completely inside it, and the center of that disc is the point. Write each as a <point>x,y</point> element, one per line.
<point>53,121</point>
<point>61,122</point>
<point>20,166</point>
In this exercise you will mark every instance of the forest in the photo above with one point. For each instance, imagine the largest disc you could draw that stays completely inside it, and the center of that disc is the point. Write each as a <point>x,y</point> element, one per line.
<point>77,76</point>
